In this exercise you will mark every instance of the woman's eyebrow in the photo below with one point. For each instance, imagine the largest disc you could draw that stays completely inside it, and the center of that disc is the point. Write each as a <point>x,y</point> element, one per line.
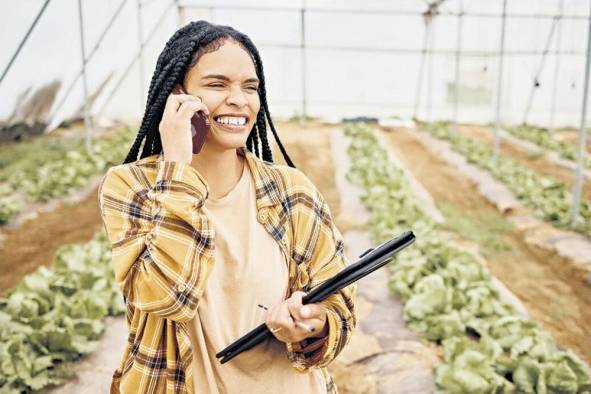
<point>224,78</point>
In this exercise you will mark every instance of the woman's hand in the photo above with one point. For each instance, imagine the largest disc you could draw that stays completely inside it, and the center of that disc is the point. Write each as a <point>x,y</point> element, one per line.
<point>285,315</point>
<point>175,126</point>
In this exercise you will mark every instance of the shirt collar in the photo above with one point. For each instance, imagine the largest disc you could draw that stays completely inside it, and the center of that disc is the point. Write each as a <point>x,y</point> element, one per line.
<point>266,187</point>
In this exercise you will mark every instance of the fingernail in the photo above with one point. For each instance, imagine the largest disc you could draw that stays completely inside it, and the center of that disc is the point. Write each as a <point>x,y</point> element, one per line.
<point>305,311</point>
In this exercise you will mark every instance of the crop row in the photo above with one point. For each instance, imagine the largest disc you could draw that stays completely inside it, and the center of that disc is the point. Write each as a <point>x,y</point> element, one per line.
<point>55,170</point>
<point>55,316</point>
<point>550,199</point>
<point>546,139</point>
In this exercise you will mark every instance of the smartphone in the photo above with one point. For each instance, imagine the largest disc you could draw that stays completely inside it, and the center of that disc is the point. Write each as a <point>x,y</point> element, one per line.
<point>199,126</point>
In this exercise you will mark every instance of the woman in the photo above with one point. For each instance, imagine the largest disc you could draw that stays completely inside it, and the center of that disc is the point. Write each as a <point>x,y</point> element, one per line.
<point>207,246</point>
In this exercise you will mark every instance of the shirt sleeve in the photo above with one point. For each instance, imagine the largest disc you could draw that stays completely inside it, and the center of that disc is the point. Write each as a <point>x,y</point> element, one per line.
<point>322,255</point>
<point>162,243</point>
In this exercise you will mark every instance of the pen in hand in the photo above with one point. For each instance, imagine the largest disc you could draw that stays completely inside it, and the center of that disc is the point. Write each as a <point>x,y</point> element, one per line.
<point>297,323</point>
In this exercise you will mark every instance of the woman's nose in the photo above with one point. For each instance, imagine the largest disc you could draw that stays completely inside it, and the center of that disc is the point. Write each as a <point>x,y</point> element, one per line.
<point>237,97</point>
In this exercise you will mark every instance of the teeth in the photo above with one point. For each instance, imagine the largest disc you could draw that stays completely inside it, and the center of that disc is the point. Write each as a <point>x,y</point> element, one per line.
<point>231,120</point>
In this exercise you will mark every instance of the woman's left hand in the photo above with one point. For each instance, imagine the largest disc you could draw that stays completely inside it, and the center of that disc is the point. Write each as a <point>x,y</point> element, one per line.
<point>284,316</point>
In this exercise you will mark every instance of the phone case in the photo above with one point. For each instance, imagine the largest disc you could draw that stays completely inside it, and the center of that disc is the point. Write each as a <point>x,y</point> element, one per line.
<point>199,125</point>
<point>199,129</point>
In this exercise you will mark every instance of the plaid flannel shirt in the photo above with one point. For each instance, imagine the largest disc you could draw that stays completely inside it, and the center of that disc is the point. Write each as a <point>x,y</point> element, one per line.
<point>162,254</point>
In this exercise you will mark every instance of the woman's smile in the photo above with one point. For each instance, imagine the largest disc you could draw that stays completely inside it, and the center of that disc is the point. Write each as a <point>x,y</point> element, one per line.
<point>232,124</point>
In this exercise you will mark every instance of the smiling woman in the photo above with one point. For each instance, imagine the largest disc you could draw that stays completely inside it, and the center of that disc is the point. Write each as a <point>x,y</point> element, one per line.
<point>207,246</point>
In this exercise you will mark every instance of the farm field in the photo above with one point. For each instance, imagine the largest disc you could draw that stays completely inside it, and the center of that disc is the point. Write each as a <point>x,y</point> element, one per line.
<point>554,291</point>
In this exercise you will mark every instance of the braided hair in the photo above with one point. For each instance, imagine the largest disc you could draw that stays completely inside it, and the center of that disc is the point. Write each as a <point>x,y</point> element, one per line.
<point>181,53</point>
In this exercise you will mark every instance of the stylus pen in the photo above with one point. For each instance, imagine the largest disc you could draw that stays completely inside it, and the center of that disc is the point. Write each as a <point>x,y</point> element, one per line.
<point>296,322</point>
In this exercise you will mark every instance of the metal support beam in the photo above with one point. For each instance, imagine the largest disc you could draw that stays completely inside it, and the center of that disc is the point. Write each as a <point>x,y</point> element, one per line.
<point>303,58</point>
<point>497,140</point>
<point>536,81</point>
<point>457,66</point>
<point>556,66</point>
<point>582,134</point>
<point>24,40</point>
<point>134,59</point>
<point>87,124</point>
<point>88,58</point>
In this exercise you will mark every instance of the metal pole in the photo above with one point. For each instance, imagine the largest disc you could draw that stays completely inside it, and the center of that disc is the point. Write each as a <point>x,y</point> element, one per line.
<point>430,72</point>
<point>140,35</point>
<point>457,71</point>
<point>88,58</point>
<point>556,65</point>
<point>133,60</point>
<point>303,57</point>
<point>499,86</point>
<point>536,84</point>
<point>24,40</point>
<point>421,70</point>
<point>582,133</point>
<point>87,125</point>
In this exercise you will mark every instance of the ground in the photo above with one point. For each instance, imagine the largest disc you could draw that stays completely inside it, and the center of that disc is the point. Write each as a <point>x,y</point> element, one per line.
<point>555,294</point>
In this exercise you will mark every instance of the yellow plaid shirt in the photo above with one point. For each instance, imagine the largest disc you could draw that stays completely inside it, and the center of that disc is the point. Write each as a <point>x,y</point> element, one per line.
<point>162,254</point>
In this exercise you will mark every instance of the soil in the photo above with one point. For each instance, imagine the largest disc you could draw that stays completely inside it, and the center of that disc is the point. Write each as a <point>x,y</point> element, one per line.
<point>308,146</point>
<point>35,242</point>
<point>553,291</point>
<point>572,136</point>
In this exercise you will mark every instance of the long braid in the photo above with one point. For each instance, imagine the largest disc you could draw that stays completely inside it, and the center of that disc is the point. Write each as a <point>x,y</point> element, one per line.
<point>249,142</point>
<point>264,105</point>
<point>181,52</point>
<point>176,74</point>
<point>255,141</point>
<point>261,125</point>
<point>159,74</point>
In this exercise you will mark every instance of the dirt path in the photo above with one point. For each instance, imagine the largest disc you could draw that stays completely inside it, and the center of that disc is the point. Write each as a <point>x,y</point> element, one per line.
<point>308,146</point>
<point>536,163</point>
<point>383,356</point>
<point>35,242</point>
<point>552,291</point>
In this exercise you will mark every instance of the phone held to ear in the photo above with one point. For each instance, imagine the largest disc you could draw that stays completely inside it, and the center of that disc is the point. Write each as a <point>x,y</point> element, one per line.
<point>199,127</point>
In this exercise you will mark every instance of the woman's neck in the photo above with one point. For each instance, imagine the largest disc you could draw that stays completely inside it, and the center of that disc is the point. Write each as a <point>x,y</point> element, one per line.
<point>221,169</point>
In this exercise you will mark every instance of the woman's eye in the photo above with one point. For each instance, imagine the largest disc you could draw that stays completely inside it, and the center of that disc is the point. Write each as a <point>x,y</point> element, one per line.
<point>218,85</point>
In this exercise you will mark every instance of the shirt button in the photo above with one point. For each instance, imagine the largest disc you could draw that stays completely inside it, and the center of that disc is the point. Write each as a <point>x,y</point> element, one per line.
<point>149,237</point>
<point>181,288</point>
<point>262,215</point>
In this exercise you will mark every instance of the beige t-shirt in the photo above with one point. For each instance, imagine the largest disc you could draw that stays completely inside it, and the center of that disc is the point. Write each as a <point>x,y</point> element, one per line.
<point>250,268</point>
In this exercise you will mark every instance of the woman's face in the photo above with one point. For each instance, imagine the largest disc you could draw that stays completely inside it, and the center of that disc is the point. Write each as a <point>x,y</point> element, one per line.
<point>227,83</point>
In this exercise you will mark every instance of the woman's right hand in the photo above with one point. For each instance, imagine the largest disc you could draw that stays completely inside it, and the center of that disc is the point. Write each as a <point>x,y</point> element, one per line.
<point>175,126</point>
